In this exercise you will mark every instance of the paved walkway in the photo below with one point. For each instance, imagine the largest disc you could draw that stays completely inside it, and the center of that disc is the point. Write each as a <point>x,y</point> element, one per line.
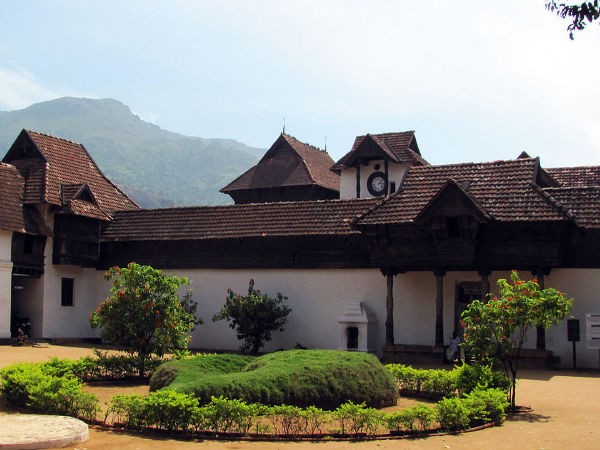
<point>28,431</point>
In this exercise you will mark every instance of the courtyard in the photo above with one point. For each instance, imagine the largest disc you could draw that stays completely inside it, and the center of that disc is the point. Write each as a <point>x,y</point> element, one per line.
<point>562,411</point>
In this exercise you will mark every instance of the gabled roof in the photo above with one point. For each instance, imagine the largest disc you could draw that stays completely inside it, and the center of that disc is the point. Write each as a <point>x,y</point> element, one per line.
<point>505,190</point>
<point>288,162</point>
<point>14,216</point>
<point>449,194</point>
<point>396,147</point>
<point>322,217</point>
<point>576,176</point>
<point>48,163</point>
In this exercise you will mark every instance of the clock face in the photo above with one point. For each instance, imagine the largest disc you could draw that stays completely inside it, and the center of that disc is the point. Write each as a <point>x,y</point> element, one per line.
<point>376,184</point>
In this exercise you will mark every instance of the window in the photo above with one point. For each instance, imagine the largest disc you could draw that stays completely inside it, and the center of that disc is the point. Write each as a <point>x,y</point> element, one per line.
<point>66,298</point>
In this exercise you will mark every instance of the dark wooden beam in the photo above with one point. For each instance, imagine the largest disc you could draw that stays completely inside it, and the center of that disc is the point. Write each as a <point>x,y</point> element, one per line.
<point>439,308</point>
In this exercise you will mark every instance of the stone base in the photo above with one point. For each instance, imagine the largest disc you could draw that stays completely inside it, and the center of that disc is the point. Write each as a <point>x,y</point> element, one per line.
<point>413,354</point>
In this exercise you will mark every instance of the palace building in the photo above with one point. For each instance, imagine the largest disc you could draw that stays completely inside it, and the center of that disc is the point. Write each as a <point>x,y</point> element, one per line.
<point>379,251</point>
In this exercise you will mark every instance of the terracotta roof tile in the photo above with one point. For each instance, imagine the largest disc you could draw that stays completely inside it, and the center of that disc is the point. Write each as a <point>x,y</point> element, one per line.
<point>323,217</point>
<point>63,162</point>
<point>504,189</point>
<point>279,167</point>
<point>400,147</point>
<point>11,199</point>
<point>583,203</point>
<point>576,176</point>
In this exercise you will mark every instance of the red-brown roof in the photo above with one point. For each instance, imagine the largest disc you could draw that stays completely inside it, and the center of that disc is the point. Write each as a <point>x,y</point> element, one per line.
<point>505,190</point>
<point>288,162</point>
<point>583,203</point>
<point>576,176</point>
<point>55,162</point>
<point>400,147</point>
<point>11,199</point>
<point>14,216</point>
<point>323,217</point>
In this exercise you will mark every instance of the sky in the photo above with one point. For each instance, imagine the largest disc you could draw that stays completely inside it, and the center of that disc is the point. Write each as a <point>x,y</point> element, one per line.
<point>476,80</point>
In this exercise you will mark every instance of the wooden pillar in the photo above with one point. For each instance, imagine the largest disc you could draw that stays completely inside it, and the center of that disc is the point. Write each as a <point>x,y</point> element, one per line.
<point>485,284</point>
<point>387,178</point>
<point>439,308</point>
<point>540,342</point>
<point>389,305</point>
<point>358,180</point>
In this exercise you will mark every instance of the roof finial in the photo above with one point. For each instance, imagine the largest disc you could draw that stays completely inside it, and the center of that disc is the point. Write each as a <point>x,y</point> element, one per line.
<point>325,144</point>
<point>283,132</point>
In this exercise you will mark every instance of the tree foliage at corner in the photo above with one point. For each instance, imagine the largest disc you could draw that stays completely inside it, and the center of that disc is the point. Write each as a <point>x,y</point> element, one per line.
<point>254,317</point>
<point>495,331</point>
<point>580,14</point>
<point>144,314</point>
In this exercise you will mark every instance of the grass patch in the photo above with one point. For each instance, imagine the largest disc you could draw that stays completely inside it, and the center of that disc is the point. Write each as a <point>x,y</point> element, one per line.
<point>323,378</point>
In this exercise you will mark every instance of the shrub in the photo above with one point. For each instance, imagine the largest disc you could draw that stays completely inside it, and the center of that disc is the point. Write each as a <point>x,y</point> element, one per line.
<point>29,385</point>
<point>357,418</point>
<point>144,314</point>
<point>453,414</point>
<point>486,405</point>
<point>222,415</point>
<point>128,410</point>
<point>322,378</point>
<point>418,417</point>
<point>287,420</point>
<point>472,376</point>
<point>170,410</point>
<point>254,317</point>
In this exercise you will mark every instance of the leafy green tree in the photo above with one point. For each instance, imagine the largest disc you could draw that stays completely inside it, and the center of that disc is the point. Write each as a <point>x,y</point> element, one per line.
<point>144,314</point>
<point>580,13</point>
<point>254,317</point>
<point>495,331</point>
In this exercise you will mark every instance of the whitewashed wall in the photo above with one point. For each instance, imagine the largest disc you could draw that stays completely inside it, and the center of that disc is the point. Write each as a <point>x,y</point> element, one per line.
<point>396,174</point>
<point>317,299</point>
<point>5,283</point>
<point>89,290</point>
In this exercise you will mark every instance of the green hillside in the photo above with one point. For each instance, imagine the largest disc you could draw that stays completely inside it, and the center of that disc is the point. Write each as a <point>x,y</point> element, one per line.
<point>154,166</point>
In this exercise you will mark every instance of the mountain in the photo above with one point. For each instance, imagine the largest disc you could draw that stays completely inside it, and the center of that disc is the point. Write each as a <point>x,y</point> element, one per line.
<point>157,168</point>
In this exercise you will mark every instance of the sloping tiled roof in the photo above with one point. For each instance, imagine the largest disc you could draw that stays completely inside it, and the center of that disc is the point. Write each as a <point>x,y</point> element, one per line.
<point>323,217</point>
<point>399,147</point>
<point>310,167</point>
<point>504,189</point>
<point>11,199</point>
<point>576,176</point>
<point>583,203</point>
<point>14,216</point>
<point>63,162</point>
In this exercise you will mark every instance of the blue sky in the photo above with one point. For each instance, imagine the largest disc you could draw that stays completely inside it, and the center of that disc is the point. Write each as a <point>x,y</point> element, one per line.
<point>476,80</point>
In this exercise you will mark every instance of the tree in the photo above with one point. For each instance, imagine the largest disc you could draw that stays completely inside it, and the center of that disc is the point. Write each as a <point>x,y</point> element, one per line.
<point>580,14</point>
<point>495,331</point>
<point>254,317</point>
<point>144,314</point>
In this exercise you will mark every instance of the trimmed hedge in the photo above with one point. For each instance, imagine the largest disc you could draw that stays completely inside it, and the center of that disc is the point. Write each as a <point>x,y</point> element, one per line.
<point>440,383</point>
<point>322,378</point>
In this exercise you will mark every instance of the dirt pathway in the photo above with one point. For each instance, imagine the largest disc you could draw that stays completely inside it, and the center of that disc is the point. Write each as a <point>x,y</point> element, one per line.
<point>564,414</point>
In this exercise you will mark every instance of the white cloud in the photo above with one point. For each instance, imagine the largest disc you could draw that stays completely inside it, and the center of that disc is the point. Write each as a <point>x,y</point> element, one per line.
<point>19,89</point>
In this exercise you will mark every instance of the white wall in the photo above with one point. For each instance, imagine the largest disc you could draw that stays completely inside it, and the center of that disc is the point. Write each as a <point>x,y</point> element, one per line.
<point>5,283</point>
<point>396,174</point>
<point>89,290</point>
<point>317,298</point>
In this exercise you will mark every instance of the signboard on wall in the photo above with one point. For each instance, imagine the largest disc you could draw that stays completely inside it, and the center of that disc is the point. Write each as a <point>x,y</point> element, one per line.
<point>592,328</point>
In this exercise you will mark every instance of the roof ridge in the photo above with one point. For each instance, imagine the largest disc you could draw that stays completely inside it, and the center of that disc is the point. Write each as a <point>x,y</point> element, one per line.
<point>52,136</point>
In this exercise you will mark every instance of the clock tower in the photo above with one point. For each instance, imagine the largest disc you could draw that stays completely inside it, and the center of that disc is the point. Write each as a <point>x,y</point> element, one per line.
<point>377,163</point>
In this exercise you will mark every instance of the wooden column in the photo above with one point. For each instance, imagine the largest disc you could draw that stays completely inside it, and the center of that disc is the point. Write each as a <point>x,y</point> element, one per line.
<point>389,305</point>
<point>439,308</point>
<point>485,284</point>
<point>358,180</point>
<point>540,342</point>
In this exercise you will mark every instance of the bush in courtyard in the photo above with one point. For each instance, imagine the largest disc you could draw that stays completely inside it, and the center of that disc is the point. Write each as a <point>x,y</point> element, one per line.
<point>322,378</point>
<point>144,314</point>
<point>495,331</point>
<point>254,317</point>
<point>31,386</point>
